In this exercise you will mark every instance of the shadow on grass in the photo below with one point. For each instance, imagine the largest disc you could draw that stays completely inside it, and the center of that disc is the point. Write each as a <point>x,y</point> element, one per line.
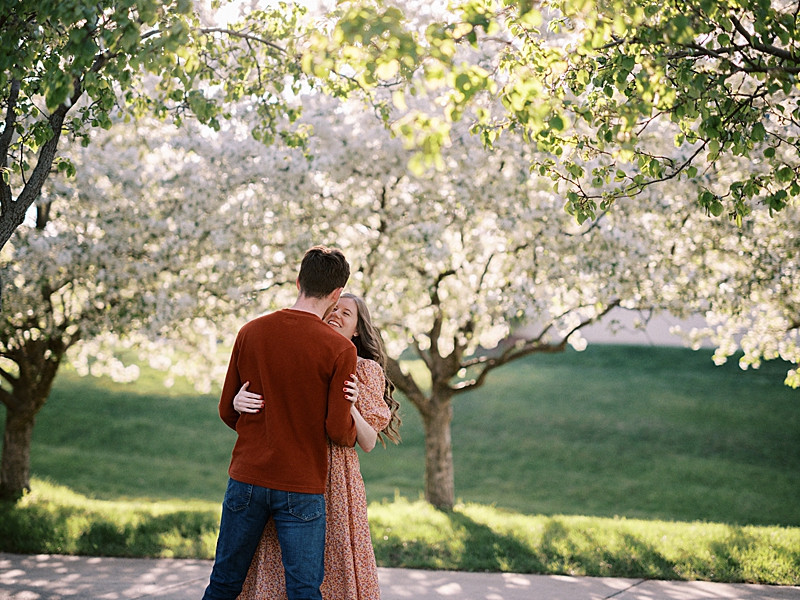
<point>635,558</point>
<point>483,546</point>
<point>558,549</point>
<point>473,547</point>
<point>419,536</point>
<point>741,556</point>
<point>597,548</point>
<point>75,530</point>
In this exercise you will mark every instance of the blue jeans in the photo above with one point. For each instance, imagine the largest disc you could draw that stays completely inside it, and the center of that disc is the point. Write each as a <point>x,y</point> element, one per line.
<point>300,523</point>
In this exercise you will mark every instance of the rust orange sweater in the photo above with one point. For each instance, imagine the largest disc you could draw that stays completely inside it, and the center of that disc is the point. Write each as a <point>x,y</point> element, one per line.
<point>299,365</point>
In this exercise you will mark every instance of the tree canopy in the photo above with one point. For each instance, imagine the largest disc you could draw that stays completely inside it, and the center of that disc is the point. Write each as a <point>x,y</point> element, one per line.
<point>588,81</point>
<point>70,66</point>
<point>592,83</point>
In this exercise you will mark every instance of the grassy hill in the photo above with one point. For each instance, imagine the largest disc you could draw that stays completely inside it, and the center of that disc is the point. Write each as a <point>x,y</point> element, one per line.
<point>618,461</point>
<point>629,431</point>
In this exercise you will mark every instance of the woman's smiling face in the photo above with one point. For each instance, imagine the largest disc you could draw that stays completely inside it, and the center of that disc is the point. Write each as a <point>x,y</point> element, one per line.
<point>344,317</point>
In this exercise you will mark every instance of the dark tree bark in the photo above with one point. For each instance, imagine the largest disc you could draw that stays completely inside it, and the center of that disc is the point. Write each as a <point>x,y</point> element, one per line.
<point>439,474</point>
<point>37,362</point>
<point>15,477</point>
<point>12,212</point>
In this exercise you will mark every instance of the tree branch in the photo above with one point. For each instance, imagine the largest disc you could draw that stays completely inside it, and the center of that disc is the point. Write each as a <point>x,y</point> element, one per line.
<point>699,50</point>
<point>436,330</point>
<point>766,48</point>
<point>373,256</point>
<point>425,358</point>
<point>14,212</point>
<point>269,287</point>
<point>485,271</point>
<point>515,352</point>
<point>594,224</point>
<point>5,142</point>
<point>241,35</point>
<point>406,384</point>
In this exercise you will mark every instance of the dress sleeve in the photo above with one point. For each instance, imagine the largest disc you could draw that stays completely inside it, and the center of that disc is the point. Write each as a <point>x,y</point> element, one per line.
<point>371,384</point>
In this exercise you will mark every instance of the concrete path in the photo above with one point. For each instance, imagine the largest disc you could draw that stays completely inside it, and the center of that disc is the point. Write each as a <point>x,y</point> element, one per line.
<point>50,577</point>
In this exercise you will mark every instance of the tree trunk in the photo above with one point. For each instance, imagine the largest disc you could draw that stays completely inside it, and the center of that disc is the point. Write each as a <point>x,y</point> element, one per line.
<point>439,479</point>
<point>436,411</point>
<point>15,464</point>
<point>38,361</point>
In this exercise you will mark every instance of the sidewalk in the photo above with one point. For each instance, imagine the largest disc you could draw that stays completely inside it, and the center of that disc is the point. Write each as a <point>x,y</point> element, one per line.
<point>50,577</point>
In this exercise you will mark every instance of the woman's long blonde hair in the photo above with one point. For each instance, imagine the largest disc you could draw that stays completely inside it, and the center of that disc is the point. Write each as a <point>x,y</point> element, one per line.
<point>369,345</point>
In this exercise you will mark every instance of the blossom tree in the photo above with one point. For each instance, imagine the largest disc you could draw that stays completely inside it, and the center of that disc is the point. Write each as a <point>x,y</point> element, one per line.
<point>146,246</point>
<point>172,255</point>
<point>587,80</point>
<point>451,262</point>
<point>454,261</point>
<point>750,301</point>
<point>179,236</point>
<point>69,67</point>
<point>744,279</point>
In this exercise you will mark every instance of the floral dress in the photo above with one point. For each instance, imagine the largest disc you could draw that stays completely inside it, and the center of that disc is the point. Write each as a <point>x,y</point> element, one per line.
<point>350,569</point>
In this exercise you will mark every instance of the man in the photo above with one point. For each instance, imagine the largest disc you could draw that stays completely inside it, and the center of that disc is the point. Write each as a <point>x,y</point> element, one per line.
<point>299,365</point>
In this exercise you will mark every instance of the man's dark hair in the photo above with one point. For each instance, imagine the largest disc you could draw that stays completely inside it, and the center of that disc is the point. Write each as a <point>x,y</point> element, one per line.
<point>322,271</point>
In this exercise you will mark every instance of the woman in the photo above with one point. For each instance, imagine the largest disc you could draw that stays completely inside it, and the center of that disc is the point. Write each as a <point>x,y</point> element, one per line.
<point>350,569</point>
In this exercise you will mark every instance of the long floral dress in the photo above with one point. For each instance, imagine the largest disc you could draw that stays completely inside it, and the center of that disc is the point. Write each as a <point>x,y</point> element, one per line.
<point>350,569</point>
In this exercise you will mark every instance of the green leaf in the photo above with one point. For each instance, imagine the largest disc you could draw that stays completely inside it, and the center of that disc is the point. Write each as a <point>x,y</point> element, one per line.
<point>557,123</point>
<point>399,100</point>
<point>784,174</point>
<point>130,38</point>
<point>417,164</point>
<point>758,132</point>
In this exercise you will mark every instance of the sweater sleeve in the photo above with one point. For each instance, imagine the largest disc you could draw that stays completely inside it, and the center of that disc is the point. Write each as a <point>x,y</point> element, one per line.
<point>232,384</point>
<point>339,423</point>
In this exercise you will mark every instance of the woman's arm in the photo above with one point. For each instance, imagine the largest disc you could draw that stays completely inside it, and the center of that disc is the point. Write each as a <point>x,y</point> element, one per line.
<point>366,436</point>
<point>248,402</point>
<point>373,414</point>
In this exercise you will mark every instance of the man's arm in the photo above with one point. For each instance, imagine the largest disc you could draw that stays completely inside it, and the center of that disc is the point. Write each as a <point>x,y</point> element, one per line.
<point>339,423</point>
<point>232,384</point>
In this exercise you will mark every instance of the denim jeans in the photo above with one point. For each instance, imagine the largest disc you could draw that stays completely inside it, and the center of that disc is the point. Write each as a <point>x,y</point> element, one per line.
<point>300,523</point>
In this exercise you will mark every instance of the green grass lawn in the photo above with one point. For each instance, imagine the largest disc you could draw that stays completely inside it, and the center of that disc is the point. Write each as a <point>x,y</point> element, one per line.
<point>472,537</point>
<point>633,431</point>
<point>618,461</point>
<point>628,431</point>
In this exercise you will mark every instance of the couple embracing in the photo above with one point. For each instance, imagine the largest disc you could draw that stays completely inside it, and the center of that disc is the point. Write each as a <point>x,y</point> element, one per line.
<point>304,384</point>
